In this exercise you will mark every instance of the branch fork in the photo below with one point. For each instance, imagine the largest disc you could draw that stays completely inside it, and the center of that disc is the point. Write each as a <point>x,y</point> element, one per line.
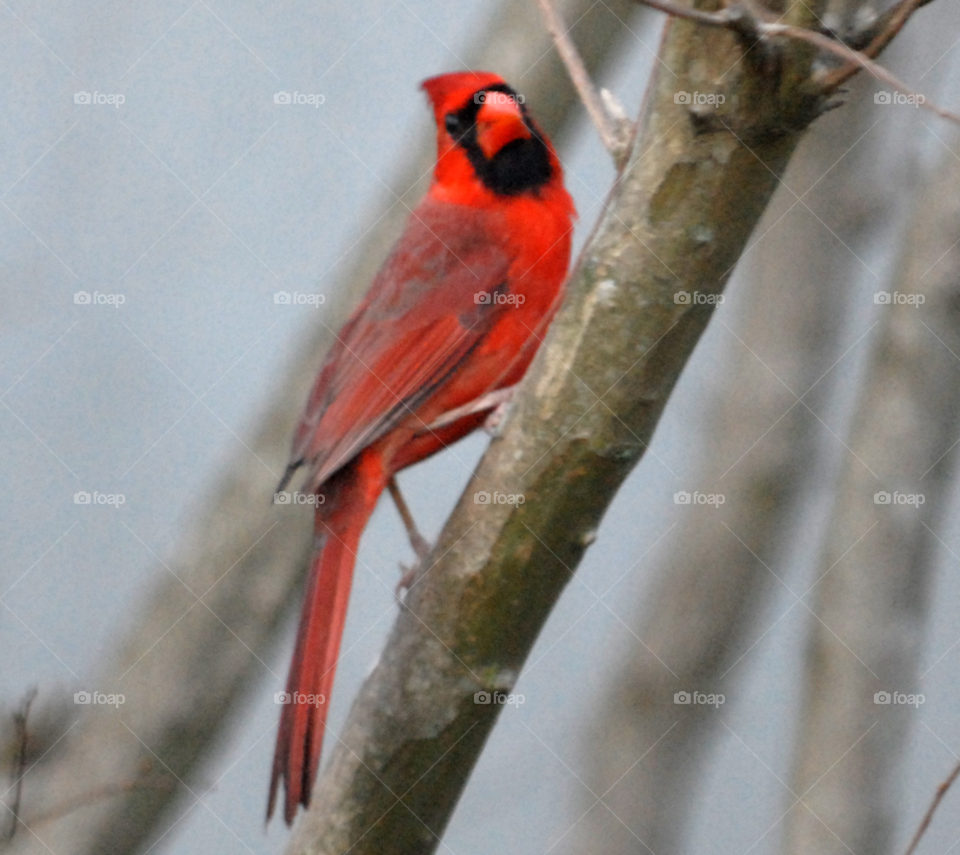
<point>747,19</point>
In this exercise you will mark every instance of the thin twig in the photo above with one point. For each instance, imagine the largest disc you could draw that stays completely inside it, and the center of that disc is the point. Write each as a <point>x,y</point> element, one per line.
<point>610,135</point>
<point>23,737</point>
<point>886,26</point>
<point>739,19</point>
<point>854,56</point>
<point>714,19</point>
<point>872,41</point>
<point>875,38</point>
<point>941,792</point>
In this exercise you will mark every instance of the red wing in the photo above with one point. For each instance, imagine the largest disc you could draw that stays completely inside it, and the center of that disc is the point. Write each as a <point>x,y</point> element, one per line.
<point>417,324</point>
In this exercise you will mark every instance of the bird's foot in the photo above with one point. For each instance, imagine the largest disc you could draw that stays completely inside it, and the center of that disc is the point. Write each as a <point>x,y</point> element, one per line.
<point>494,421</point>
<point>413,572</point>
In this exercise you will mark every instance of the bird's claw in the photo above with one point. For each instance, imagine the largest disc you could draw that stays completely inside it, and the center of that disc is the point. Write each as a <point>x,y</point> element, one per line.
<point>407,580</point>
<point>412,572</point>
<point>493,424</point>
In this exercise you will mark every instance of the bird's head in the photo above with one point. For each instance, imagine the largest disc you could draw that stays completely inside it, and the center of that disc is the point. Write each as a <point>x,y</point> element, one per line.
<point>486,141</point>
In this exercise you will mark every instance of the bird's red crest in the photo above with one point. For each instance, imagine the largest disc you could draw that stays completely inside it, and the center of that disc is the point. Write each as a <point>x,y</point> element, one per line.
<point>450,91</point>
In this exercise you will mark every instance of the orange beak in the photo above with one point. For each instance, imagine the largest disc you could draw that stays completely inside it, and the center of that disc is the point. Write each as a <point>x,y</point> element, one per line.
<point>499,122</point>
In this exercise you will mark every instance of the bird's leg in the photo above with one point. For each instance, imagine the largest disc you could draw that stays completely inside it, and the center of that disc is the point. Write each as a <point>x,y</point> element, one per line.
<point>492,424</point>
<point>419,543</point>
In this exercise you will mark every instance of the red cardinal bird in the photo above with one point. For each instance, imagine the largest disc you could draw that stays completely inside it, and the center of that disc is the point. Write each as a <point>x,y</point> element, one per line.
<point>456,312</point>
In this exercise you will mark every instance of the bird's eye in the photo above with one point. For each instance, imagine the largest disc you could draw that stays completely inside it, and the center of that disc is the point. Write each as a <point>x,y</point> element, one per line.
<point>452,123</point>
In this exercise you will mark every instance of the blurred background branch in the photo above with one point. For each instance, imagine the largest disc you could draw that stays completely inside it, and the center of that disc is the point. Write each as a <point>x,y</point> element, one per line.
<point>873,580</point>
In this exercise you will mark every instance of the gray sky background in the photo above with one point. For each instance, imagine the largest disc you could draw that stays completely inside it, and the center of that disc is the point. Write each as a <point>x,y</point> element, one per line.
<point>151,398</point>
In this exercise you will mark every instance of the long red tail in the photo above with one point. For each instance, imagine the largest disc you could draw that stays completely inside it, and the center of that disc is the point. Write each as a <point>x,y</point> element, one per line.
<point>340,521</point>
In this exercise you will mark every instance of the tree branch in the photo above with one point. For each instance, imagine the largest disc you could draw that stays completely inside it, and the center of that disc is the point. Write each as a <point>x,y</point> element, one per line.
<point>928,816</point>
<point>20,720</point>
<point>875,38</point>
